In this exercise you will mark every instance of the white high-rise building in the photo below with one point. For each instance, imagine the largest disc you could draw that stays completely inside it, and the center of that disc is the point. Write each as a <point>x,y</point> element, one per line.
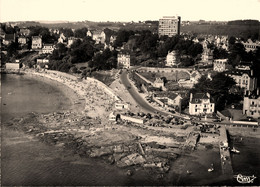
<point>169,25</point>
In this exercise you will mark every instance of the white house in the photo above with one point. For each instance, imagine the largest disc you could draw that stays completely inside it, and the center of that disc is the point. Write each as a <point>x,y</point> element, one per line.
<point>62,38</point>
<point>99,36</point>
<point>201,104</point>
<point>159,83</point>
<point>244,79</point>
<point>47,49</point>
<point>250,45</point>
<point>251,104</point>
<point>71,40</point>
<point>171,59</point>
<point>220,65</point>
<point>36,42</point>
<point>124,59</point>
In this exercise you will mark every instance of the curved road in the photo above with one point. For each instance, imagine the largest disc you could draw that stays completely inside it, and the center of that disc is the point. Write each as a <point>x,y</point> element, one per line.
<point>136,96</point>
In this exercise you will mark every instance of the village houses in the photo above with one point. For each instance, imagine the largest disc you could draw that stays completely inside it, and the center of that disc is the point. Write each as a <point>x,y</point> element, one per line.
<point>201,104</point>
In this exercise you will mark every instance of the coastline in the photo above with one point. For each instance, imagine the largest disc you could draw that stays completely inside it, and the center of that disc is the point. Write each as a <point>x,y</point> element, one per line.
<point>76,104</point>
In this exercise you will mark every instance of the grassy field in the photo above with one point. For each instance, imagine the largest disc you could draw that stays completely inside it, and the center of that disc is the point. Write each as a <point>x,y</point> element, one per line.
<point>107,77</point>
<point>231,30</point>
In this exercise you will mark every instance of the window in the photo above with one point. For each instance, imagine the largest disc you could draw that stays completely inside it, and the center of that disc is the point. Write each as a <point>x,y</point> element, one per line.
<point>196,110</point>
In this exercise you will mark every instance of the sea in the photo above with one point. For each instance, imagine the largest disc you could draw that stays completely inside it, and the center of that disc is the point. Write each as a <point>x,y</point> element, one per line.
<point>27,162</point>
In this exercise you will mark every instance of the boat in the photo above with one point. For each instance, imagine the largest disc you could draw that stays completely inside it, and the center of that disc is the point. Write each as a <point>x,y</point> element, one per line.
<point>211,168</point>
<point>234,150</point>
<point>189,172</point>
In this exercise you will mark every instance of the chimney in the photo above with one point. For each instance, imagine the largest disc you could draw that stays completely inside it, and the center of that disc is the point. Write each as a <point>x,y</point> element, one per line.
<point>252,72</point>
<point>257,92</point>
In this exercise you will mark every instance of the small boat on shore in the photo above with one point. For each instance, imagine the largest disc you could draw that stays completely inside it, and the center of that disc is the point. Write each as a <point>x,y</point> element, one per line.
<point>233,150</point>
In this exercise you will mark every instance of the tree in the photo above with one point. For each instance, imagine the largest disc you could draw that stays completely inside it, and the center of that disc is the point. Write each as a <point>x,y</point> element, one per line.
<point>219,53</point>
<point>12,49</point>
<point>232,40</point>
<point>81,33</point>
<point>237,53</point>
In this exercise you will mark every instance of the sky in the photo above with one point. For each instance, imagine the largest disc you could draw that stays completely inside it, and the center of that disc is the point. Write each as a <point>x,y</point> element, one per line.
<point>127,10</point>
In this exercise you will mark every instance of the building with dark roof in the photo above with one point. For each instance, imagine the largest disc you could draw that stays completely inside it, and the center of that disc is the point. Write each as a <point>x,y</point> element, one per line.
<point>201,104</point>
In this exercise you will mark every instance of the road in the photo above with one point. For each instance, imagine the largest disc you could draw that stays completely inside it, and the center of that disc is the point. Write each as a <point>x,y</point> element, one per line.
<point>136,96</point>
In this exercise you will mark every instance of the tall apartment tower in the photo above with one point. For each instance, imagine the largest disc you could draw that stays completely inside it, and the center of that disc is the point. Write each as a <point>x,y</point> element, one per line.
<point>169,25</point>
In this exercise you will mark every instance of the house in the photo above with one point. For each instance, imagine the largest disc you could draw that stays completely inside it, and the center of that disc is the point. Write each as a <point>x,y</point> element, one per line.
<point>244,66</point>
<point>194,77</point>
<point>220,65</point>
<point>71,40</point>
<point>244,79</point>
<point>112,39</point>
<point>112,117</point>
<point>24,31</point>
<point>172,58</point>
<point>124,59</point>
<point>62,38</point>
<point>42,63</point>
<point>159,83</point>
<point>250,45</point>
<point>36,42</point>
<point>47,49</point>
<point>2,33</point>
<point>201,104</point>
<point>8,39</point>
<point>22,40</point>
<point>251,104</point>
<point>89,33</point>
<point>168,99</point>
<point>12,66</point>
<point>121,106</point>
<point>207,56</point>
<point>99,36</point>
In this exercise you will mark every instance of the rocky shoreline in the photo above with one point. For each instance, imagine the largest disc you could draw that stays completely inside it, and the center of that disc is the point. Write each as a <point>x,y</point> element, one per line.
<point>65,130</point>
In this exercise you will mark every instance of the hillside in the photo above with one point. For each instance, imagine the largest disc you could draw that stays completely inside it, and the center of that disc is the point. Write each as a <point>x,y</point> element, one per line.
<point>232,30</point>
